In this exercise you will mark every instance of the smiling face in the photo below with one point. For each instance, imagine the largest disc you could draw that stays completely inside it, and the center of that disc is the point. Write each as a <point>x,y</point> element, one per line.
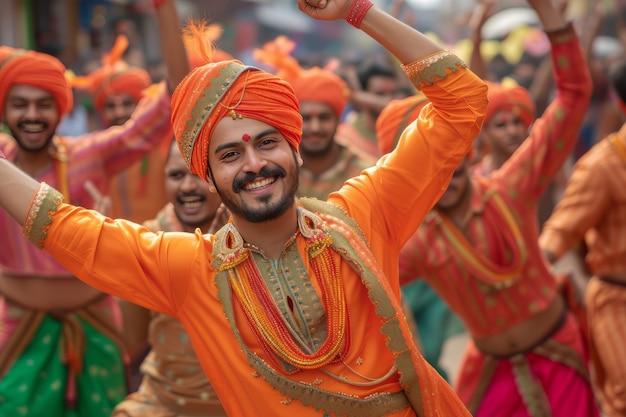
<point>32,115</point>
<point>117,109</point>
<point>504,133</point>
<point>256,178</point>
<point>194,204</point>
<point>319,124</point>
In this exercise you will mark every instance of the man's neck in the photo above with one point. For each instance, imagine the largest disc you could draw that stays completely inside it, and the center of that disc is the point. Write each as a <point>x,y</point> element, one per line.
<point>317,164</point>
<point>269,237</point>
<point>33,163</point>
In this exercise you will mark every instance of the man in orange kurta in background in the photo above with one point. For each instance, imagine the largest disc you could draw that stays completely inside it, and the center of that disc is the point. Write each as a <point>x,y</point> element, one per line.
<point>593,208</point>
<point>478,249</point>
<point>292,307</point>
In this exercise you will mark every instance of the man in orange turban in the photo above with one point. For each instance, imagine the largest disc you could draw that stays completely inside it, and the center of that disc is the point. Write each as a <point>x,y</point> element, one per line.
<point>116,88</point>
<point>61,350</point>
<point>510,113</point>
<point>293,306</point>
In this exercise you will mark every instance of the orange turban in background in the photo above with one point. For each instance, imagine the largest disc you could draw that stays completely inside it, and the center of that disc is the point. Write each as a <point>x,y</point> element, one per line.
<point>214,91</point>
<point>510,97</point>
<point>323,86</point>
<point>36,69</point>
<point>114,77</point>
<point>395,117</point>
<point>119,79</point>
<point>315,84</point>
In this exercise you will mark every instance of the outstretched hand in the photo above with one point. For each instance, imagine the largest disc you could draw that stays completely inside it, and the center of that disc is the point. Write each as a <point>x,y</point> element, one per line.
<point>325,9</point>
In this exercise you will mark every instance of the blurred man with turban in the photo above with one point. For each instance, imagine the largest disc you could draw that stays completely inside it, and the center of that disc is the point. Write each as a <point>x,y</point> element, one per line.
<point>478,249</point>
<point>116,88</point>
<point>593,209</point>
<point>510,113</point>
<point>322,96</point>
<point>60,347</point>
<point>293,306</point>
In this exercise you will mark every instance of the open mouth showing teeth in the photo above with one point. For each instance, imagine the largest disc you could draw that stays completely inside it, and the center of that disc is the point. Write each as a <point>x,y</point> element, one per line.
<point>32,128</point>
<point>259,184</point>
<point>191,202</point>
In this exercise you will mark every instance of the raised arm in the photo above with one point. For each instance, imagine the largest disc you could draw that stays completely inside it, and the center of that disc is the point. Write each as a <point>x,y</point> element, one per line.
<point>172,46</point>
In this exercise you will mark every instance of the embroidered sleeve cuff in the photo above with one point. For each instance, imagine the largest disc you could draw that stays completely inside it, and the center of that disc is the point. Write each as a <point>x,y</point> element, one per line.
<point>428,70</point>
<point>563,35</point>
<point>45,203</point>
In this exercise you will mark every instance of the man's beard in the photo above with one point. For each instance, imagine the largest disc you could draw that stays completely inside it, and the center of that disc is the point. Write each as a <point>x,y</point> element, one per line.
<point>268,211</point>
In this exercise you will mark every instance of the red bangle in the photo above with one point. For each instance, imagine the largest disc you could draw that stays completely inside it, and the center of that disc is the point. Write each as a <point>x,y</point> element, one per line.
<point>357,12</point>
<point>157,3</point>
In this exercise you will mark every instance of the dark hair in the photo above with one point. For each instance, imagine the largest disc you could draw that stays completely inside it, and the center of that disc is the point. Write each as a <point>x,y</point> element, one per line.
<point>374,69</point>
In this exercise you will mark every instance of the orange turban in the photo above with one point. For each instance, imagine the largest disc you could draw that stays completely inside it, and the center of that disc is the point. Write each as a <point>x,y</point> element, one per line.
<point>119,79</point>
<point>320,85</point>
<point>315,84</point>
<point>36,69</point>
<point>213,91</point>
<point>114,77</point>
<point>513,98</point>
<point>395,117</point>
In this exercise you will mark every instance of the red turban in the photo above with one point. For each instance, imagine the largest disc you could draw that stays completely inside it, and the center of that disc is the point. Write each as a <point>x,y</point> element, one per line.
<point>211,92</point>
<point>512,98</point>
<point>323,86</point>
<point>118,79</point>
<point>35,69</point>
<point>395,117</point>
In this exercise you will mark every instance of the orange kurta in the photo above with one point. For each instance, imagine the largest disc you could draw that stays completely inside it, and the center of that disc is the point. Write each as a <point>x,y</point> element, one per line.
<point>173,273</point>
<point>593,208</point>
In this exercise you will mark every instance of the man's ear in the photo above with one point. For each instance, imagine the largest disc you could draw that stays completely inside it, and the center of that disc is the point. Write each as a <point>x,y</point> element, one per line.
<point>209,180</point>
<point>299,160</point>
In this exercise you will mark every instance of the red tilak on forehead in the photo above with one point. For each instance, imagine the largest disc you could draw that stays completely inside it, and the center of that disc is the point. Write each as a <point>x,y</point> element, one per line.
<point>245,137</point>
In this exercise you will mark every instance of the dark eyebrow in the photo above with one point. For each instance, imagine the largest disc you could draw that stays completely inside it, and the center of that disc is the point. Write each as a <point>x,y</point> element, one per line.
<point>257,137</point>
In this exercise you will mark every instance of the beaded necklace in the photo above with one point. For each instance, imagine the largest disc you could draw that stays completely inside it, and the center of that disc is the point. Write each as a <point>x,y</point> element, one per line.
<point>478,264</point>
<point>261,312</point>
